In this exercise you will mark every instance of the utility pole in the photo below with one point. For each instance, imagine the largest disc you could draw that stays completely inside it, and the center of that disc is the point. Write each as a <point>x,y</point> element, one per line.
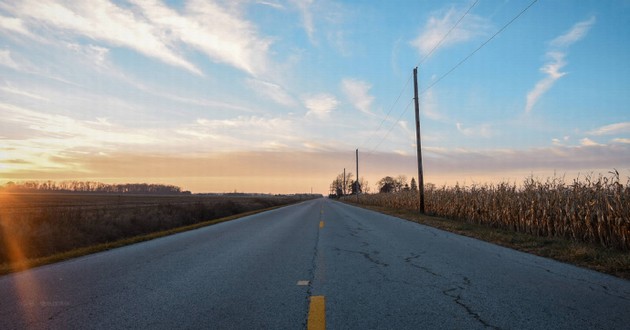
<point>344,182</point>
<point>418,145</point>
<point>356,188</point>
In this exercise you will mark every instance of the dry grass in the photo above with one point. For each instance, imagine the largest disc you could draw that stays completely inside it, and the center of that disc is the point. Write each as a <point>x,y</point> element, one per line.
<point>591,211</point>
<point>38,228</point>
<point>606,260</point>
<point>586,223</point>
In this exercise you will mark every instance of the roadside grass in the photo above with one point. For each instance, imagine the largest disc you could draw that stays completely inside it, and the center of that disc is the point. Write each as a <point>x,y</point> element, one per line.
<point>605,260</point>
<point>6,268</point>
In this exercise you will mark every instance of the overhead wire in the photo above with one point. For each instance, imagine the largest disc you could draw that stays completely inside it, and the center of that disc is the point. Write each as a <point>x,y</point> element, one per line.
<point>456,65</point>
<point>388,112</point>
<point>435,47</point>
<point>391,128</point>
<point>478,48</point>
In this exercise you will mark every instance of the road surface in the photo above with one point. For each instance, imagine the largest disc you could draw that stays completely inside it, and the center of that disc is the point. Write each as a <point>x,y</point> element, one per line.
<point>366,270</point>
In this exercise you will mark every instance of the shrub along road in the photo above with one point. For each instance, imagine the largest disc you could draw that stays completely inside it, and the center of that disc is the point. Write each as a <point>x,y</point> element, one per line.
<point>366,270</point>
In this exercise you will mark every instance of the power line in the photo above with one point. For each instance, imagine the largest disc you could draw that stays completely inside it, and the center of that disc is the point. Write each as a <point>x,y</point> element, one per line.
<point>446,35</point>
<point>435,47</point>
<point>478,48</point>
<point>453,68</point>
<point>390,129</point>
<point>388,112</point>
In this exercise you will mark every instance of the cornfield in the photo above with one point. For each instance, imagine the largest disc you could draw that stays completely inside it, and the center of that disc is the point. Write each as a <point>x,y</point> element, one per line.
<point>589,210</point>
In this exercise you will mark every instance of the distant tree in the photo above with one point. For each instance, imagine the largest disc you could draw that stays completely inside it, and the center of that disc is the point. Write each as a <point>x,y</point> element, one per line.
<point>400,182</point>
<point>364,186</point>
<point>339,186</point>
<point>386,185</point>
<point>414,185</point>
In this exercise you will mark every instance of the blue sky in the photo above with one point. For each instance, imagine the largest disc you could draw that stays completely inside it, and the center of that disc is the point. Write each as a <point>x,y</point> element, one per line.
<point>275,96</point>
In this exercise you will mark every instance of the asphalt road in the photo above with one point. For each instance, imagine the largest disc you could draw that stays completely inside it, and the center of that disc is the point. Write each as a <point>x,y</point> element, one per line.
<point>259,272</point>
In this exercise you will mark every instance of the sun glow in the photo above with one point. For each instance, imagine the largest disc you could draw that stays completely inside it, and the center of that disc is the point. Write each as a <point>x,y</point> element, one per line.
<point>14,255</point>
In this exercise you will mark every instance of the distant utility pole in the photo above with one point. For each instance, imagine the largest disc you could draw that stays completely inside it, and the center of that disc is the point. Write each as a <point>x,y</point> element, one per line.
<point>418,145</point>
<point>356,188</point>
<point>343,191</point>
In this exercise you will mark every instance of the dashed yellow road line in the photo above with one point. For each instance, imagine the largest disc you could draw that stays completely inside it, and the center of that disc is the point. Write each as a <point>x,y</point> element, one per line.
<point>317,314</point>
<point>321,224</point>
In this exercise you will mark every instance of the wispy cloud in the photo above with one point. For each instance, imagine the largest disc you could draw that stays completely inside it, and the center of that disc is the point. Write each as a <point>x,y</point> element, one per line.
<point>14,90</point>
<point>223,35</point>
<point>43,140</point>
<point>151,28</point>
<point>305,9</point>
<point>320,105</point>
<point>556,61</point>
<point>586,142</point>
<point>239,133</point>
<point>357,92</point>
<point>7,60</point>
<point>105,21</point>
<point>560,142</point>
<point>18,62</point>
<point>616,128</point>
<point>13,25</point>
<point>272,4</point>
<point>577,32</point>
<point>439,23</point>
<point>483,130</point>
<point>271,91</point>
<point>60,132</point>
<point>95,54</point>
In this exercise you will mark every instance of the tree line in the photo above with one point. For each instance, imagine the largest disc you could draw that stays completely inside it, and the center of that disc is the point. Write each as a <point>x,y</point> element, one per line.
<point>389,184</point>
<point>342,186</point>
<point>346,185</point>
<point>91,187</point>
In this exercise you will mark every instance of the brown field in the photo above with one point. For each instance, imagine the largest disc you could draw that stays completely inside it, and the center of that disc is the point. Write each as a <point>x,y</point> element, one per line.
<point>39,225</point>
<point>595,211</point>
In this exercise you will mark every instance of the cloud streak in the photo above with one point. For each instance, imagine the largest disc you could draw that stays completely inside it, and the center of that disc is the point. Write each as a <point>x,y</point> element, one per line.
<point>483,130</point>
<point>556,61</point>
<point>222,35</point>
<point>304,7</point>
<point>439,24</point>
<point>7,60</point>
<point>616,128</point>
<point>320,105</point>
<point>357,92</point>
<point>271,91</point>
<point>151,28</point>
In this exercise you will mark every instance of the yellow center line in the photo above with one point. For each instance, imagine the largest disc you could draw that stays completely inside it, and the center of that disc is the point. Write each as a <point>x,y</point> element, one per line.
<point>321,224</point>
<point>317,313</point>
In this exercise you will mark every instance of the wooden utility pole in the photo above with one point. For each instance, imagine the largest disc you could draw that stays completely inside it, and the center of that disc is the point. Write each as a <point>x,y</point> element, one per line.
<point>343,191</point>
<point>418,145</point>
<point>356,182</point>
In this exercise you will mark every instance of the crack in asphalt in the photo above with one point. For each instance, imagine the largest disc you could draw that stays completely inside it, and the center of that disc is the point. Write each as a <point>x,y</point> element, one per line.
<point>366,255</point>
<point>409,261</point>
<point>457,298</point>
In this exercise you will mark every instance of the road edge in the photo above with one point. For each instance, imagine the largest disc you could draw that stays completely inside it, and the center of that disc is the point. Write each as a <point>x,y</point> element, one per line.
<point>593,257</point>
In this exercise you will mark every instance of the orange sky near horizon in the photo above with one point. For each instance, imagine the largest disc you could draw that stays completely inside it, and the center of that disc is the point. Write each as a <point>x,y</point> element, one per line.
<point>301,172</point>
